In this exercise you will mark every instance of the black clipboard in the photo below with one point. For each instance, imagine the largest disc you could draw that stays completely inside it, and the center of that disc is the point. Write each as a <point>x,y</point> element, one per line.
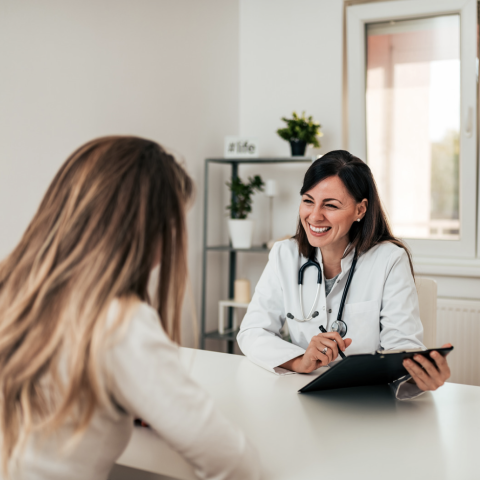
<point>378,368</point>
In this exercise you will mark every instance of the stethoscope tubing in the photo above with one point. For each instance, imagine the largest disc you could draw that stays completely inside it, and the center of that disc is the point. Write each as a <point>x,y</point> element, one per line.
<point>309,317</point>
<point>339,325</point>
<point>347,287</point>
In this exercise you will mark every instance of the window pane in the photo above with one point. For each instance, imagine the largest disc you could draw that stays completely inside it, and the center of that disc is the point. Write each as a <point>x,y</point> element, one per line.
<point>413,123</point>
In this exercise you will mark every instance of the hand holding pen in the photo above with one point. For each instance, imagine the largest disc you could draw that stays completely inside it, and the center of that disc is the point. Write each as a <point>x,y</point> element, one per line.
<point>322,329</point>
<point>321,350</point>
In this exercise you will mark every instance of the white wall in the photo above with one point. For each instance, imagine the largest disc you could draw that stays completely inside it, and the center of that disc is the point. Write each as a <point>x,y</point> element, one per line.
<point>78,69</point>
<point>290,59</point>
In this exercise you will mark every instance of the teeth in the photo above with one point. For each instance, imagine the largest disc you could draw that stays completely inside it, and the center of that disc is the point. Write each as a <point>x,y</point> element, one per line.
<point>319,230</point>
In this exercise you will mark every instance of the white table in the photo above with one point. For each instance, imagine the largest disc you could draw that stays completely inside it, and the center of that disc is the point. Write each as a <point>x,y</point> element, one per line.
<point>360,433</point>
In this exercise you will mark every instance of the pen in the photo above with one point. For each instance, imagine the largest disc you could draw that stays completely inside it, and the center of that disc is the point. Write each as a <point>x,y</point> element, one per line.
<point>339,351</point>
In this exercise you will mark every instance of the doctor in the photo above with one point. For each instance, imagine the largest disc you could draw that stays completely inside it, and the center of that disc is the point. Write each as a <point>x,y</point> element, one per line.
<point>341,225</point>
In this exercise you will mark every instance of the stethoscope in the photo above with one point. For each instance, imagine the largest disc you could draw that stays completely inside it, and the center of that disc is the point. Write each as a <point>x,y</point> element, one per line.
<point>339,325</point>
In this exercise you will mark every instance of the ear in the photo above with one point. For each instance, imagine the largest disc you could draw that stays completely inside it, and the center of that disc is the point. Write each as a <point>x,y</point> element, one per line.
<point>361,208</point>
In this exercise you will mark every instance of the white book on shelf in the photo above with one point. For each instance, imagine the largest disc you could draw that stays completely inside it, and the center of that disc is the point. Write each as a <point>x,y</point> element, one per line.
<point>221,310</point>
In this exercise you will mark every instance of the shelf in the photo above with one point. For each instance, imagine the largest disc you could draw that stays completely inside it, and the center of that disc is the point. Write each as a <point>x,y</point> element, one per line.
<point>233,303</point>
<point>227,248</point>
<point>232,164</point>
<point>264,160</point>
<point>230,335</point>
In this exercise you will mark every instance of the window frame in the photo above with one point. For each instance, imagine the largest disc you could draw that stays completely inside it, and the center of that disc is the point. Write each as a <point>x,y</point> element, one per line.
<point>357,17</point>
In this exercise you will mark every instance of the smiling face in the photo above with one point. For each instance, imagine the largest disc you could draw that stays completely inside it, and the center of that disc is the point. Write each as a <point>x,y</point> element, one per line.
<point>327,212</point>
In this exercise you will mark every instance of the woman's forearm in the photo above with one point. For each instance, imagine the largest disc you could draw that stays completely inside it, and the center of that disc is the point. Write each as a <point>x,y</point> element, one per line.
<point>292,364</point>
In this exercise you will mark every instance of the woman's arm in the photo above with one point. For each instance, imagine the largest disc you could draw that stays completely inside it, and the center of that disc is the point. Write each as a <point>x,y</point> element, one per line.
<point>146,378</point>
<point>401,327</point>
<point>259,337</point>
<point>400,322</point>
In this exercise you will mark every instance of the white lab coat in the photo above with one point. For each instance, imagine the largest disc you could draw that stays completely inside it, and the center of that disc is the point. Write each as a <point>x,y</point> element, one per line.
<point>381,310</point>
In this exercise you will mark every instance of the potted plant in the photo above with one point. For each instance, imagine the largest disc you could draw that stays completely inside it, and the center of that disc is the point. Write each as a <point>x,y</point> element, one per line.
<point>240,228</point>
<point>300,132</point>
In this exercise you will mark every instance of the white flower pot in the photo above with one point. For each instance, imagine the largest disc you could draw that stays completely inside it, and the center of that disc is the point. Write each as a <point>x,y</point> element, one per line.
<point>241,232</point>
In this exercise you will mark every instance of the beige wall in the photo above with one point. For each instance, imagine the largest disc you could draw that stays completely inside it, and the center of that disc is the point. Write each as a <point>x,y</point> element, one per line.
<point>78,69</point>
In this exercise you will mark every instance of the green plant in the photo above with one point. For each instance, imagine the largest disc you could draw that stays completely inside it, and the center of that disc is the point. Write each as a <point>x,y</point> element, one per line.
<point>241,204</point>
<point>301,129</point>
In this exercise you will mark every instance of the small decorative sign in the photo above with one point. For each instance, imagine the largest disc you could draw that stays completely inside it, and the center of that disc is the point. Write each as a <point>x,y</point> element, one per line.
<point>241,147</point>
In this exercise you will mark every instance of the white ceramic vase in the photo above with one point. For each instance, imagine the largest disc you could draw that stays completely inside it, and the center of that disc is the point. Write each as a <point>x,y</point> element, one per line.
<point>241,232</point>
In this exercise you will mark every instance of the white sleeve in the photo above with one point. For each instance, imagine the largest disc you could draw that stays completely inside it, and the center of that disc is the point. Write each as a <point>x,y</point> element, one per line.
<point>400,322</point>
<point>259,337</point>
<point>404,390</point>
<point>145,377</point>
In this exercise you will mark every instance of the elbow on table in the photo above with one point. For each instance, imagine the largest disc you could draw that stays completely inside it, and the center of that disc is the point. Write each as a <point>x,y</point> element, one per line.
<point>246,340</point>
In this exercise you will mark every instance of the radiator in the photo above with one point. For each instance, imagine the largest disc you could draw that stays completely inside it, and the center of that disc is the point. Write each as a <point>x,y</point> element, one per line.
<point>458,323</point>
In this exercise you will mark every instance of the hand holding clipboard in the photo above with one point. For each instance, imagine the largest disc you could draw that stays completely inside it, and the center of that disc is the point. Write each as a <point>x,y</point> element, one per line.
<point>384,367</point>
<point>428,374</point>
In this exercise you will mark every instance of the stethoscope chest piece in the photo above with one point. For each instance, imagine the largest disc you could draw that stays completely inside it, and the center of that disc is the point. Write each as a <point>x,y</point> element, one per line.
<point>339,326</point>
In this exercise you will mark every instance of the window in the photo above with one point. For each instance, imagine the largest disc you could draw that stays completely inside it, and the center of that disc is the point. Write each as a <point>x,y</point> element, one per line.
<point>413,123</point>
<point>412,111</point>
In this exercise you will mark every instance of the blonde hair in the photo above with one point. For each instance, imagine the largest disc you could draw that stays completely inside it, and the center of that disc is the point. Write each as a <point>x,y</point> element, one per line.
<point>115,207</point>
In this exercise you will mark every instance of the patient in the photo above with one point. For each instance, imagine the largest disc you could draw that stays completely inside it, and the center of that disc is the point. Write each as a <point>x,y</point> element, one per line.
<point>82,351</point>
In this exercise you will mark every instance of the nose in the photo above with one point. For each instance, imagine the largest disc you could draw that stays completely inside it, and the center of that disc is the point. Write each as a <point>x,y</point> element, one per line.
<point>317,214</point>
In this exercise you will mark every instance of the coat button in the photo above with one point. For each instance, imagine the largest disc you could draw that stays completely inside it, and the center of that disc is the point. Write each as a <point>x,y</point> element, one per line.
<point>329,310</point>
<point>324,307</point>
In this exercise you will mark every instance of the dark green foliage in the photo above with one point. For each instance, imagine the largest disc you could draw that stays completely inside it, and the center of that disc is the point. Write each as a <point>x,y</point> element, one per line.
<point>301,128</point>
<point>241,204</point>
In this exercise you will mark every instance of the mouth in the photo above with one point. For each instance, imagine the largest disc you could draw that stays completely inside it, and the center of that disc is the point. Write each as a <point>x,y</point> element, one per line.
<point>319,231</point>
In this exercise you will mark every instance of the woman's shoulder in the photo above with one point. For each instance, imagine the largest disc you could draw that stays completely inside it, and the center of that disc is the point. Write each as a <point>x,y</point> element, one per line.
<point>131,308</point>
<point>386,251</point>
<point>285,247</point>
<point>133,318</point>
<point>283,256</point>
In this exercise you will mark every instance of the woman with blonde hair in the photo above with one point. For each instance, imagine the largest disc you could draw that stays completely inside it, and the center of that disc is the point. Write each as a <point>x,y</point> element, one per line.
<point>82,351</point>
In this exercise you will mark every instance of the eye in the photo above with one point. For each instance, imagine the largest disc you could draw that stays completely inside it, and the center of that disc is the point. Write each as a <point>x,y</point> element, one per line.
<point>329,205</point>
<point>307,200</point>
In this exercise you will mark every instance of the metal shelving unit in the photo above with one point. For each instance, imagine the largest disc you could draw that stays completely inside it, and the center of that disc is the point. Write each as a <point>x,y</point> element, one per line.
<point>229,335</point>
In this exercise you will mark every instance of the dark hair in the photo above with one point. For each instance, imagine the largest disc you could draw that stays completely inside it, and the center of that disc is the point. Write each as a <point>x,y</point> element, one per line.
<point>358,180</point>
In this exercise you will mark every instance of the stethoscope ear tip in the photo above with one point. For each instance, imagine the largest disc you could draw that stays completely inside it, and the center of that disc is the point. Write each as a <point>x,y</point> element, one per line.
<point>290,316</point>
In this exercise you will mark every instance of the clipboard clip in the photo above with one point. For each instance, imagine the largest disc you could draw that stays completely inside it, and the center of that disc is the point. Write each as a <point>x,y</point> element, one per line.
<point>400,350</point>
